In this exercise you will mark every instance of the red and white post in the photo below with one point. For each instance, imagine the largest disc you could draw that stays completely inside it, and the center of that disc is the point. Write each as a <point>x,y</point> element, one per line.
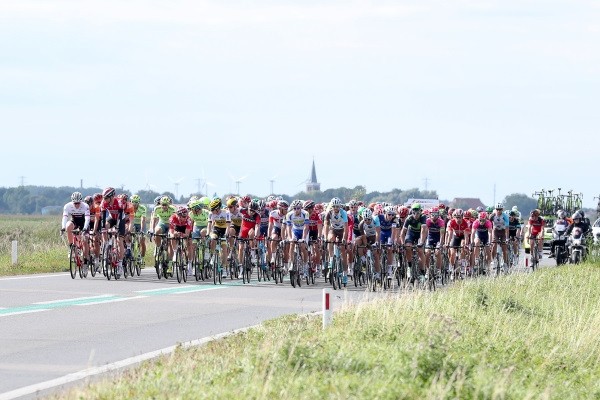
<point>327,307</point>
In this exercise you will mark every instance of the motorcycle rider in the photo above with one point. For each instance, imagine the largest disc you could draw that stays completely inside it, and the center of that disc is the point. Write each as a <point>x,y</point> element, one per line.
<point>578,222</point>
<point>558,231</point>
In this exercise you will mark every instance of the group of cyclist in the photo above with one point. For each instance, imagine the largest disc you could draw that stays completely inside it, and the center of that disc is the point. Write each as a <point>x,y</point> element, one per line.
<point>355,226</point>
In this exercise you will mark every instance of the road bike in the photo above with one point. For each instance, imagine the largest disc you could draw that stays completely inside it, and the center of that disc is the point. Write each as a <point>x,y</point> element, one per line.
<point>161,256</point>
<point>180,258</point>
<point>110,256</point>
<point>76,264</point>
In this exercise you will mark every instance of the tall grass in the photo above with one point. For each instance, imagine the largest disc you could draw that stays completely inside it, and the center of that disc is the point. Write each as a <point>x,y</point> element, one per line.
<point>525,336</point>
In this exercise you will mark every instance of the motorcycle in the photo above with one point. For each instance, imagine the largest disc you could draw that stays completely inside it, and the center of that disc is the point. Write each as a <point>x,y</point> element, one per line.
<point>577,246</point>
<point>561,252</point>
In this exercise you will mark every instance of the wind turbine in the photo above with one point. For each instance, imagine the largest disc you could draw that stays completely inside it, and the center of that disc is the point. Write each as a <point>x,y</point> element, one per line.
<point>176,183</point>
<point>203,184</point>
<point>149,186</point>
<point>237,182</point>
<point>272,180</point>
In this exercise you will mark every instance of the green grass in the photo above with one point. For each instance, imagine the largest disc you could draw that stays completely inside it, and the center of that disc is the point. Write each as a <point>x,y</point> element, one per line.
<point>526,336</point>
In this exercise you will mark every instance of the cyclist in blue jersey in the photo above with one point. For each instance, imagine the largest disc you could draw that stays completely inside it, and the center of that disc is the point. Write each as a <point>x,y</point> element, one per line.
<point>413,233</point>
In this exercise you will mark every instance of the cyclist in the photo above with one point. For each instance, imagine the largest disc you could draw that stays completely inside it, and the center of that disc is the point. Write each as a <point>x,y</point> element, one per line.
<point>139,221</point>
<point>76,215</point>
<point>160,224</point>
<point>369,234</point>
<point>388,225</point>
<point>435,229</point>
<point>558,231</point>
<point>336,229</point>
<point>536,232</point>
<point>180,226</point>
<point>481,231</point>
<point>353,221</point>
<point>500,224</point>
<point>199,216</point>
<point>112,217</point>
<point>235,216</point>
<point>250,227</point>
<point>413,233</point>
<point>514,232</point>
<point>93,203</point>
<point>458,231</point>
<point>297,222</point>
<point>315,228</point>
<point>128,216</point>
<point>276,218</point>
<point>218,226</point>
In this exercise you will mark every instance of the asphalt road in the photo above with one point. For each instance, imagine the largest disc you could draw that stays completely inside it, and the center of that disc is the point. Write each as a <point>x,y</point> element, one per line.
<point>52,325</point>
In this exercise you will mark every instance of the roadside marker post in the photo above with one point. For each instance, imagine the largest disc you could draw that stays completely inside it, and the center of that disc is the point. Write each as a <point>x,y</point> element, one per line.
<point>327,307</point>
<point>14,252</point>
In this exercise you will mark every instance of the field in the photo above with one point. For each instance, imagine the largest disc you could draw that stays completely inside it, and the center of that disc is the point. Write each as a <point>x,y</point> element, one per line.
<point>526,336</point>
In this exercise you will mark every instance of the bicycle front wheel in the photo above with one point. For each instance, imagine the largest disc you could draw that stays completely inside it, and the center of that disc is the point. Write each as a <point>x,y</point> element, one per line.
<point>72,262</point>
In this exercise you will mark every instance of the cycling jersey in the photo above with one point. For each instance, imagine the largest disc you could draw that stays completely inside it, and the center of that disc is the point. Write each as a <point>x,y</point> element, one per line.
<point>353,222</point>
<point>337,220</point>
<point>164,214</point>
<point>248,222</point>
<point>499,222</point>
<point>414,224</point>
<point>139,213</point>
<point>368,229</point>
<point>220,220</point>
<point>435,228</point>
<point>514,225</point>
<point>200,219</point>
<point>80,215</point>
<point>180,224</point>
<point>536,226</point>
<point>481,228</point>
<point>236,218</point>
<point>276,218</point>
<point>458,229</point>
<point>297,222</point>
<point>314,222</point>
<point>264,221</point>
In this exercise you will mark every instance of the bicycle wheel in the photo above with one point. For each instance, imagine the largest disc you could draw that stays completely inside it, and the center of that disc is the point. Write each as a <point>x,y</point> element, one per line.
<point>157,263</point>
<point>92,266</point>
<point>178,266</point>
<point>72,261</point>
<point>107,261</point>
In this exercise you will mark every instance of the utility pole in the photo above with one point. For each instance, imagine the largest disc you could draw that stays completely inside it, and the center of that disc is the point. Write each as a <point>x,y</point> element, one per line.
<point>426,180</point>
<point>81,183</point>
<point>494,202</point>
<point>22,179</point>
<point>199,182</point>
<point>272,181</point>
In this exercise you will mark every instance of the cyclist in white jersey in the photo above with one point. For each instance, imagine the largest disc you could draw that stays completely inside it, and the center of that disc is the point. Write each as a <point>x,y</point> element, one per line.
<point>336,229</point>
<point>76,214</point>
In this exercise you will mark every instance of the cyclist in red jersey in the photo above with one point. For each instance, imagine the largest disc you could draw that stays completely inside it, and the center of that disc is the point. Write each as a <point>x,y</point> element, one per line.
<point>536,231</point>
<point>180,225</point>
<point>128,215</point>
<point>250,221</point>
<point>112,217</point>
<point>458,234</point>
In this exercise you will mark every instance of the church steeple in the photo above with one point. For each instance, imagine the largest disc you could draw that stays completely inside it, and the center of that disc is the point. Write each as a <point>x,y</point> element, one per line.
<point>312,185</point>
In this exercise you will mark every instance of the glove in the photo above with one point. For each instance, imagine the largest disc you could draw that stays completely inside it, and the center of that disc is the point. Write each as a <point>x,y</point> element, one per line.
<point>62,230</point>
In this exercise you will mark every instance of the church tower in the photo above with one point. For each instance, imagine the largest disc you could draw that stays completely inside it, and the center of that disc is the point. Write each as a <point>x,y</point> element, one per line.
<point>312,185</point>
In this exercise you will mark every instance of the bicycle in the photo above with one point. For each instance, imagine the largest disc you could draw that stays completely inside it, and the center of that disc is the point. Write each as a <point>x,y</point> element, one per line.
<point>110,256</point>
<point>232,264</point>
<point>215,261</point>
<point>499,257</point>
<point>430,269</point>
<point>336,271</point>
<point>76,255</point>
<point>480,267</point>
<point>161,256</point>
<point>387,282</point>
<point>297,264</point>
<point>277,266</point>
<point>246,260</point>
<point>412,271</point>
<point>312,269</point>
<point>262,270</point>
<point>201,261</point>
<point>92,262</point>
<point>534,253</point>
<point>180,260</point>
<point>137,260</point>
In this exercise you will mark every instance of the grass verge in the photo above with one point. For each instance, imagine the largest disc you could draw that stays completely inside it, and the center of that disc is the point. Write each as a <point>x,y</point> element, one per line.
<point>525,336</point>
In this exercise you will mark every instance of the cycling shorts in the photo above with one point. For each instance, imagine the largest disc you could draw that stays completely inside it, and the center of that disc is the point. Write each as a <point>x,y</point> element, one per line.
<point>218,233</point>
<point>483,237</point>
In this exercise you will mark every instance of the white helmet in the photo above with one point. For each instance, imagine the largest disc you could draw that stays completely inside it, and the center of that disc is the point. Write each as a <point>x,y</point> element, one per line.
<point>389,210</point>
<point>336,202</point>
<point>561,214</point>
<point>76,197</point>
<point>499,206</point>
<point>368,214</point>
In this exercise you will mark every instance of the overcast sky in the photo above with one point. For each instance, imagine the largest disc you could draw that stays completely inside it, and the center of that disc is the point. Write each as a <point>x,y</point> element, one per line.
<point>385,94</point>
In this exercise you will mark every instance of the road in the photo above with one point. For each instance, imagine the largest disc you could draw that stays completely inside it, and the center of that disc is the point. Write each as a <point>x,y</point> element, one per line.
<point>52,325</point>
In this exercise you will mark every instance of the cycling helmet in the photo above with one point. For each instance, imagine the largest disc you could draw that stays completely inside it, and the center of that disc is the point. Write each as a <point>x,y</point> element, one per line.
<point>246,199</point>
<point>378,209</point>
<point>272,204</point>
<point>135,199</point>
<point>474,214</point>
<point>560,214</point>
<point>205,201</point>
<point>513,214</point>
<point>215,204</point>
<point>514,208</point>
<point>296,203</point>
<point>97,197</point>
<point>499,206</point>
<point>352,203</point>
<point>576,215</point>
<point>319,208</point>
<point>157,200</point>
<point>416,207</point>
<point>270,198</point>
<point>435,212</point>
<point>261,204</point>
<point>88,200</point>
<point>232,202</point>
<point>254,206</point>
<point>282,204</point>
<point>124,197</point>
<point>403,211</point>
<point>480,209</point>
<point>442,206</point>
<point>182,211</point>
<point>165,201</point>
<point>308,204</point>
<point>489,209</point>
<point>335,202</point>
<point>458,213</point>
<point>195,205</point>
<point>389,210</point>
<point>483,215</point>
<point>108,192</point>
<point>367,214</point>
<point>193,199</point>
<point>76,197</point>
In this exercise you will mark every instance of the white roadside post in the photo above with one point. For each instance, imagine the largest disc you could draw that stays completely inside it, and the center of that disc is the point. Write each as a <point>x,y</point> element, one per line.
<point>14,252</point>
<point>327,307</point>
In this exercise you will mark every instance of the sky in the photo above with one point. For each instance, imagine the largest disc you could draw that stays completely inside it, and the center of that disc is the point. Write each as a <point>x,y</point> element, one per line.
<point>468,98</point>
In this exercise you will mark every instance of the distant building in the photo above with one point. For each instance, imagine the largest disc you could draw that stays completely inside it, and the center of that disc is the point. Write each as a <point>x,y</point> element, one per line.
<point>311,184</point>
<point>466,202</point>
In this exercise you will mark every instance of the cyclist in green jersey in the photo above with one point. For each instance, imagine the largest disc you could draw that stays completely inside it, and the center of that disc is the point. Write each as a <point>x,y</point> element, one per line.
<point>199,216</point>
<point>160,219</point>
<point>139,221</point>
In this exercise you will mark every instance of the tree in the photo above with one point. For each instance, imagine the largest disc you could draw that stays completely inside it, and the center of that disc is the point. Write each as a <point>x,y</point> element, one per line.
<point>523,202</point>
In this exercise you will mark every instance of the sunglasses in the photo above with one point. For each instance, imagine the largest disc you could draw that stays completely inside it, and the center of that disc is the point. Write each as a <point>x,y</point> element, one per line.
<point>297,208</point>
